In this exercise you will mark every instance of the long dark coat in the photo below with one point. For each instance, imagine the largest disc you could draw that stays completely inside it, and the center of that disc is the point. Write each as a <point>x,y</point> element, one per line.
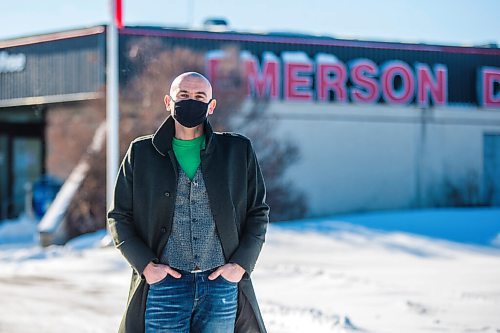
<point>141,213</point>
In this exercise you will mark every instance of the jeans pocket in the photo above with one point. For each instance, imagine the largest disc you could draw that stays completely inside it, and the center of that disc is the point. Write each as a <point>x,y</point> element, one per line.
<point>226,280</point>
<point>158,282</point>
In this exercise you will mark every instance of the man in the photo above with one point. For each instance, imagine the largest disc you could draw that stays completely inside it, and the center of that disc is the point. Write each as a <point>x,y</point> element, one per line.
<point>189,215</point>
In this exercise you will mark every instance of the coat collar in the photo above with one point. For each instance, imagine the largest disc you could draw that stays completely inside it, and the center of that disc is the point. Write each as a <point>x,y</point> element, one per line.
<point>162,138</point>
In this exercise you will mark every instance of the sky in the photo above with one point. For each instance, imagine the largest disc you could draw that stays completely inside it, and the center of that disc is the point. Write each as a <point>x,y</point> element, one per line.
<point>449,22</point>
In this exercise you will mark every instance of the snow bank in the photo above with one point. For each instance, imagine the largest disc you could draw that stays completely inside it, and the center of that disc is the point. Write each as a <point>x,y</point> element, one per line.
<point>477,226</point>
<point>355,273</point>
<point>19,232</point>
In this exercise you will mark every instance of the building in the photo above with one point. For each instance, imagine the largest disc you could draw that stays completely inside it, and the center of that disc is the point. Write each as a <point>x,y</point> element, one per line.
<point>379,125</point>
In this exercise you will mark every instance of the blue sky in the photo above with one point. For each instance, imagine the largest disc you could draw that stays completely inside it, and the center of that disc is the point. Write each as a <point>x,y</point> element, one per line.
<point>430,21</point>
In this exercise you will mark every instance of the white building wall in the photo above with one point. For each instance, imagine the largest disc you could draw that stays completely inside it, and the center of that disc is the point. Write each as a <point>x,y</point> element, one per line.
<point>453,152</point>
<point>357,157</point>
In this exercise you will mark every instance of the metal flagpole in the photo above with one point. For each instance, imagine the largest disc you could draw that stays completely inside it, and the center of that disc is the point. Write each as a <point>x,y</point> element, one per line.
<point>112,116</point>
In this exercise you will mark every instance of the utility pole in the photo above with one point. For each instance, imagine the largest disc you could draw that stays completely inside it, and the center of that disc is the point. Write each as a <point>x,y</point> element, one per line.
<point>112,107</point>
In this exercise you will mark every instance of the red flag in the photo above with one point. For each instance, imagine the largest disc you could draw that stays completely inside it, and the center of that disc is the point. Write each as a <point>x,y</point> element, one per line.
<point>118,14</point>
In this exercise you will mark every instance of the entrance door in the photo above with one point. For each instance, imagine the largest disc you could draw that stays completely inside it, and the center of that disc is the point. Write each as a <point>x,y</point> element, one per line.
<point>491,158</point>
<point>21,161</point>
<point>26,157</point>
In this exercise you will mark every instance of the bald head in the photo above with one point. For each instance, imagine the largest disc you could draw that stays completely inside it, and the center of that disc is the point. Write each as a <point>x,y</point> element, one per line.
<point>191,83</point>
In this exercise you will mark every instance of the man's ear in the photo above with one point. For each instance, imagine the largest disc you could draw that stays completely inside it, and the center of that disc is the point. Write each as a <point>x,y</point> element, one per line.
<point>167,100</point>
<point>212,105</point>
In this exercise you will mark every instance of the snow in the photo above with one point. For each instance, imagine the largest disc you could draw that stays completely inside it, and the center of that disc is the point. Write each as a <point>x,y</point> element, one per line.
<point>326,58</point>
<point>406,271</point>
<point>18,232</point>
<point>295,56</point>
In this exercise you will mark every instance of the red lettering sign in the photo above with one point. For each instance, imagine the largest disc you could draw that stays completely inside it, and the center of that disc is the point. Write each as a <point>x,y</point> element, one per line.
<point>331,75</point>
<point>298,83</point>
<point>433,86</point>
<point>489,78</point>
<point>262,81</point>
<point>365,88</point>
<point>406,91</point>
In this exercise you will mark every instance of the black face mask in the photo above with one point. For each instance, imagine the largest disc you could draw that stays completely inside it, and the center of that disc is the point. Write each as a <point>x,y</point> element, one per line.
<point>189,112</point>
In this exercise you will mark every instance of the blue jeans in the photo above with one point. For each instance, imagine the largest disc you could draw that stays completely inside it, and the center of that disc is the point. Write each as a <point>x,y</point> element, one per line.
<point>192,303</point>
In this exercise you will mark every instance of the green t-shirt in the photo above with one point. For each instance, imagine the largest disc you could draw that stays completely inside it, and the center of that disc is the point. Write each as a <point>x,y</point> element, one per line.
<point>187,153</point>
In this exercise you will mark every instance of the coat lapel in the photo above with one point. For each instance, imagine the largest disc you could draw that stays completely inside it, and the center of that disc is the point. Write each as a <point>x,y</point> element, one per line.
<point>220,203</point>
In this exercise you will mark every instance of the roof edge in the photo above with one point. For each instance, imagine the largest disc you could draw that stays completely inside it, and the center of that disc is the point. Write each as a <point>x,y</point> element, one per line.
<point>302,39</point>
<point>52,36</point>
